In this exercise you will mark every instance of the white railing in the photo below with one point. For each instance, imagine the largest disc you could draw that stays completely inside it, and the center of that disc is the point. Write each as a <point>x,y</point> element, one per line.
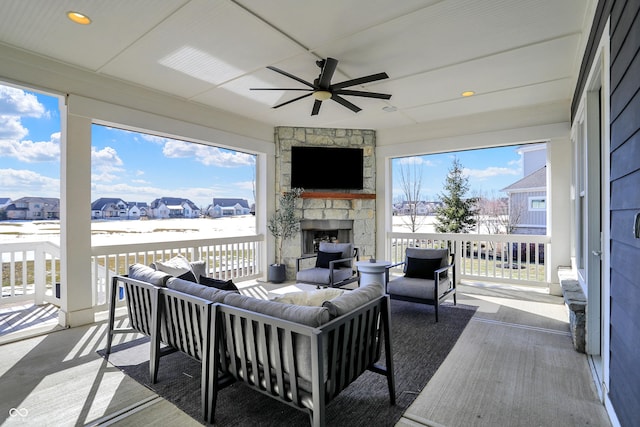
<point>226,258</point>
<point>30,271</point>
<point>508,258</point>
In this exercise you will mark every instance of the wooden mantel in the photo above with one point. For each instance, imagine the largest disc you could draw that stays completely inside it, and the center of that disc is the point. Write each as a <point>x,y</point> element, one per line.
<point>330,195</point>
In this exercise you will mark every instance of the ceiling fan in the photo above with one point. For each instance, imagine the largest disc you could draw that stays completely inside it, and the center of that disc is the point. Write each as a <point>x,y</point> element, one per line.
<point>322,89</point>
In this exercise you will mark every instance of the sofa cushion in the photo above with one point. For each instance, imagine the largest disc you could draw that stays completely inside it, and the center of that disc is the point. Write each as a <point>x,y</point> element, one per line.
<point>310,316</point>
<point>147,274</point>
<point>192,288</point>
<point>351,300</point>
<point>199,268</point>
<point>225,285</point>
<point>323,258</point>
<point>309,298</point>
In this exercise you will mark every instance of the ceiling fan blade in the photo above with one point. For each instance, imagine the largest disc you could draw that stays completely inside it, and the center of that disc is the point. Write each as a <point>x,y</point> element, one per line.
<point>291,76</point>
<point>360,81</point>
<point>316,107</point>
<point>345,103</point>
<point>292,100</point>
<point>361,93</point>
<point>326,74</point>
<point>280,88</point>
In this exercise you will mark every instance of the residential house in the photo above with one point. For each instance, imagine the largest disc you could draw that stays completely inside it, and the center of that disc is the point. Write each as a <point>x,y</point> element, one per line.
<point>228,207</point>
<point>108,208</point>
<point>421,208</point>
<point>528,195</point>
<point>563,72</point>
<point>173,207</point>
<point>4,202</point>
<point>137,210</point>
<point>34,208</point>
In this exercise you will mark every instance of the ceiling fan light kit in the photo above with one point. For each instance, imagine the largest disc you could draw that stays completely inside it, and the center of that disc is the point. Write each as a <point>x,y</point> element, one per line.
<point>322,90</point>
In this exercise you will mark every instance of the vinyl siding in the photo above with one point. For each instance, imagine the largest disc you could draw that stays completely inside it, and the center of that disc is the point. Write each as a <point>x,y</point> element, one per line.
<point>625,202</point>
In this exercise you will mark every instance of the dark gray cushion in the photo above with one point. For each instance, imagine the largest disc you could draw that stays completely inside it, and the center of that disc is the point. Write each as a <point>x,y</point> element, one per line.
<point>225,285</point>
<point>427,253</point>
<point>147,274</point>
<point>210,294</point>
<point>422,268</point>
<point>349,301</point>
<point>346,249</point>
<point>324,258</point>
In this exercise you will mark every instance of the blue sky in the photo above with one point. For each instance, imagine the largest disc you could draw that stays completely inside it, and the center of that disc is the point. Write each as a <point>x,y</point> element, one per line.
<point>488,170</point>
<point>127,165</point>
<point>139,167</point>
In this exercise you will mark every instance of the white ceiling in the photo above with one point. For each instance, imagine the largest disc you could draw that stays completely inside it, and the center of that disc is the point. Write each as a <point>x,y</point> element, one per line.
<point>515,54</point>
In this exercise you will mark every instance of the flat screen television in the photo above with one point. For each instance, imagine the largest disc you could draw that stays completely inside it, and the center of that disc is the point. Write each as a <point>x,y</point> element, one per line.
<point>326,168</point>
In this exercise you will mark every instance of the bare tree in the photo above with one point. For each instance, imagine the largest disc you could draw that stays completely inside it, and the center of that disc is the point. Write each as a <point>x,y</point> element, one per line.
<point>495,214</point>
<point>411,185</point>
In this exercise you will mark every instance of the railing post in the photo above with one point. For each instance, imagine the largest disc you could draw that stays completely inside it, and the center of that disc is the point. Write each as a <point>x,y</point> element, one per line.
<point>457,258</point>
<point>39,275</point>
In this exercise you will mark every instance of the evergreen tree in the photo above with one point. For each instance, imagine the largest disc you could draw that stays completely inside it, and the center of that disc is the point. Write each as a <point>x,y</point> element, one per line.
<point>457,213</point>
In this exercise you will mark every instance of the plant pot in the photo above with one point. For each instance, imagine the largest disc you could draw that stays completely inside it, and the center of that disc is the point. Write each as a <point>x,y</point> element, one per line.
<point>277,273</point>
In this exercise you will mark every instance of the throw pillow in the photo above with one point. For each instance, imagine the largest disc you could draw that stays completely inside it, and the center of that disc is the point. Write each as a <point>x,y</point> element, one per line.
<point>225,285</point>
<point>175,266</point>
<point>323,259</point>
<point>422,268</point>
<point>188,275</point>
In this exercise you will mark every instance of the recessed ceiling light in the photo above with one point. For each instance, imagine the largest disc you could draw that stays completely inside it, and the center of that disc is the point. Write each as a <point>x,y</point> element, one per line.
<point>390,108</point>
<point>79,18</point>
<point>468,93</point>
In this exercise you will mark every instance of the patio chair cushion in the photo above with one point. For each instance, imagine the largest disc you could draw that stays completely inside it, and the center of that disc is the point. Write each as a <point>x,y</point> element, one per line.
<point>147,274</point>
<point>422,268</point>
<point>345,249</point>
<point>416,288</point>
<point>309,298</point>
<point>321,275</point>
<point>323,258</point>
<point>192,288</point>
<point>422,253</point>
<point>351,300</point>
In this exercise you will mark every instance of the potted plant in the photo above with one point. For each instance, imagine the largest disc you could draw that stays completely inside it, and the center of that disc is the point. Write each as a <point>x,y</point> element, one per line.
<point>283,225</point>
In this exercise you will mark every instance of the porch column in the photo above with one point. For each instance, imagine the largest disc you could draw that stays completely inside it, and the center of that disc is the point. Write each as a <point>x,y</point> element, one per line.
<point>75,222</point>
<point>558,209</point>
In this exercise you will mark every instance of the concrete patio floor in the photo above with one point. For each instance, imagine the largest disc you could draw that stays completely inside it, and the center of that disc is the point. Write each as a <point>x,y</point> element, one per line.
<point>514,365</point>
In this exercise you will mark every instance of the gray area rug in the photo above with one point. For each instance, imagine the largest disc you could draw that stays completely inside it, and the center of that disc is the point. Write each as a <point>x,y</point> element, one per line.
<point>419,347</point>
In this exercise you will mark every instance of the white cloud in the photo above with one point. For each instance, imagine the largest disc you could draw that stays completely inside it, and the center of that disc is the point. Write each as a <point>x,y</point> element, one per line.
<point>205,154</point>
<point>31,152</point>
<point>105,162</point>
<point>489,172</point>
<point>416,161</point>
<point>16,102</point>
<point>11,128</point>
<point>21,183</point>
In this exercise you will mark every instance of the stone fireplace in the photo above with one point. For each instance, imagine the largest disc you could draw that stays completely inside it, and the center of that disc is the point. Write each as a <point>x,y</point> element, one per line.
<point>314,231</point>
<point>333,215</point>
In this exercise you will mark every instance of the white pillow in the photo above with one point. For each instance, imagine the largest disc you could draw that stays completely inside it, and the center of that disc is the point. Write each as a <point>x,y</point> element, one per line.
<point>176,266</point>
<point>310,298</point>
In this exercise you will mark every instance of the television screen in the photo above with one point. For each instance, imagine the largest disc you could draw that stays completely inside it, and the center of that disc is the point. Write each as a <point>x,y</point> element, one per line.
<point>327,168</point>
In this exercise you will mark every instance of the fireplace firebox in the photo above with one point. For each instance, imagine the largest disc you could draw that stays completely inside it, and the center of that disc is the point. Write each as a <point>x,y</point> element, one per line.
<point>315,231</point>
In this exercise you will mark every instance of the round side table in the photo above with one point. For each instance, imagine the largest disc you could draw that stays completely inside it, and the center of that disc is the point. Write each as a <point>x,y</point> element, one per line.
<point>372,272</point>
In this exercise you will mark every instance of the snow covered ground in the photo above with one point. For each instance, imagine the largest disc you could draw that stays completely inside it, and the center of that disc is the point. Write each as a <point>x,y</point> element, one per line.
<point>133,231</point>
